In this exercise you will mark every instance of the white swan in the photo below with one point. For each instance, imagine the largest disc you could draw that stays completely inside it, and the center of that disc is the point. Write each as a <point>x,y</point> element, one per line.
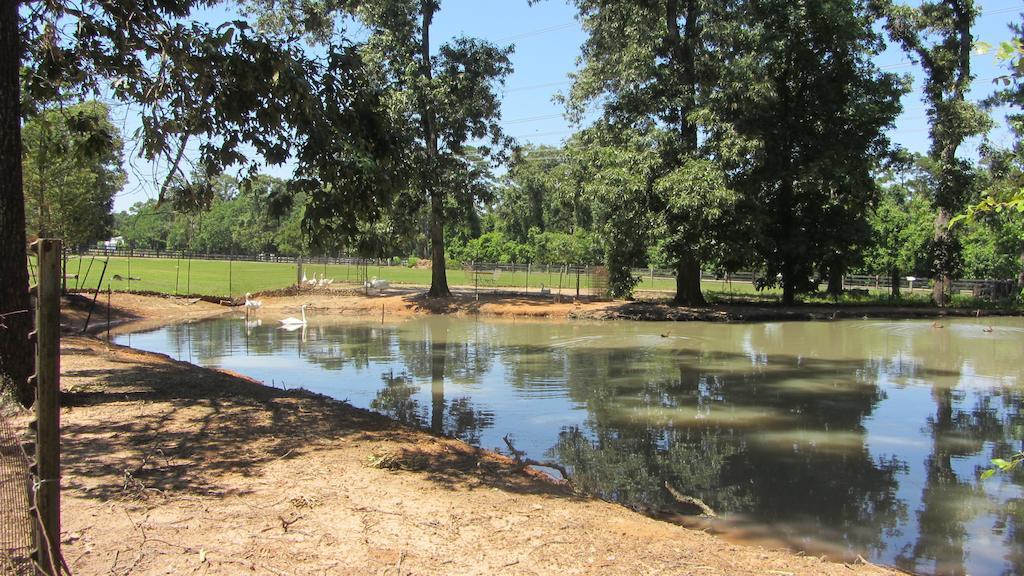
<point>252,304</point>
<point>292,321</point>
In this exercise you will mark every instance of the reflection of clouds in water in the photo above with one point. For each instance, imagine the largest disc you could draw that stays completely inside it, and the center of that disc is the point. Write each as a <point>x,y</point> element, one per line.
<point>707,415</point>
<point>881,441</point>
<point>571,343</point>
<point>838,442</point>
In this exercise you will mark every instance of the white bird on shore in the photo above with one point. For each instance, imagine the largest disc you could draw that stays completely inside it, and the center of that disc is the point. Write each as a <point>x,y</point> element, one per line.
<point>251,304</point>
<point>292,321</point>
<point>378,284</point>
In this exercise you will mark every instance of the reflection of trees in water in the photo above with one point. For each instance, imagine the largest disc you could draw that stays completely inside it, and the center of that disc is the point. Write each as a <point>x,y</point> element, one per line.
<point>948,502</point>
<point>457,417</point>
<point>632,466</point>
<point>780,441</point>
<point>1010,524</point>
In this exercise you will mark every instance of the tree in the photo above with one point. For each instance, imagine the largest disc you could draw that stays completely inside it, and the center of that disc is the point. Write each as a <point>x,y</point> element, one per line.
<point>224,85</point>
<point>15,322</point>
<point>901,231</point>
<point>615,171</point>
<point>437,104</point>
<point>527,192</point>
<point>698,208</point>
<point>937,34</point>
<point>649,64</point>
<point>801,114</point>
<point>445,100</point>
<point>72,170</point>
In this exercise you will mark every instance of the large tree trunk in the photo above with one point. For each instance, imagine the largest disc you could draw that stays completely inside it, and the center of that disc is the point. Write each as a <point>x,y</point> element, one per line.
<point>944,256</point>
<point>438,275</point>
<point>894,277</point>
<point>835,280</point>
<point>682,46</point>
<point>688,292</point>
<point>16,351</point>
<point>788,291</point>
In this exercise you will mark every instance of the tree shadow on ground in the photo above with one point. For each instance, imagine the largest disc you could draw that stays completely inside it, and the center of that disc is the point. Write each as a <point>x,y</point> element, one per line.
<point>159,426</point>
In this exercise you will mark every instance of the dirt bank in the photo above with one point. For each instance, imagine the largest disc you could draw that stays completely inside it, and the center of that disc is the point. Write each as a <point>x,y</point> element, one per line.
<point>174,469</point>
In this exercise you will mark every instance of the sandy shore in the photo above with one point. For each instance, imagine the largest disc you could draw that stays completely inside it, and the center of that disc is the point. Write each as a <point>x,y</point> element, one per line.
<point>174,469</point>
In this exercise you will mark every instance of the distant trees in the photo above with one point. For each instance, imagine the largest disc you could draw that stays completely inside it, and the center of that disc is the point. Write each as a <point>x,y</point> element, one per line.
<point>237,221</point>
<point>901,231</point>
<point>72,170</point>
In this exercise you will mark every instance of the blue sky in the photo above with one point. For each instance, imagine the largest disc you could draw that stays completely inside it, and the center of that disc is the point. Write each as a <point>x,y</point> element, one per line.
<point>547,40</point>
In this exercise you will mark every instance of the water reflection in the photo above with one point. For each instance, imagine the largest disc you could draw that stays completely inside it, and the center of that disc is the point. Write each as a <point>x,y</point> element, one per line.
<point>845,437</point>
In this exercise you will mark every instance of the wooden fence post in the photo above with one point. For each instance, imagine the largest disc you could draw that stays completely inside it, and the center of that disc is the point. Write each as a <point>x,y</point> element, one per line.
<point>46,493</point>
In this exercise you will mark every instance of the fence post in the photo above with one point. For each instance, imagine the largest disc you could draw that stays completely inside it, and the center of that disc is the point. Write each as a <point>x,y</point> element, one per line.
<point>46,493</point>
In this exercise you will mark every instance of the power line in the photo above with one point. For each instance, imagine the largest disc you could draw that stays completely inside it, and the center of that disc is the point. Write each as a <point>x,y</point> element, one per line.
<point>537,32</point>
<point>535,86</point>
<point>528,119</point>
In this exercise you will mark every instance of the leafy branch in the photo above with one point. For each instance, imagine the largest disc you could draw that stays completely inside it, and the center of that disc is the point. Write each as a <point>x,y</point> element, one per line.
<point>1002,465</point>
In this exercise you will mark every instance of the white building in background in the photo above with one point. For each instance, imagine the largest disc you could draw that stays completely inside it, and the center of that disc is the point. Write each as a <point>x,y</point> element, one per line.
<point>114,243</point>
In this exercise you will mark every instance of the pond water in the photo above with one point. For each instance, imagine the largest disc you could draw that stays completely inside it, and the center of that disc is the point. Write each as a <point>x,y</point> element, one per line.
<point>847,438</point>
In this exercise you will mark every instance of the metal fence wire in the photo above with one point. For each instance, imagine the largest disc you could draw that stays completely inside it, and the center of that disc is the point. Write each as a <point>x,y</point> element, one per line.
<point>15,520</point>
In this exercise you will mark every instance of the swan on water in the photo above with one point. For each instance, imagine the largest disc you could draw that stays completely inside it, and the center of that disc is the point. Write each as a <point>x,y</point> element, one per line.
<point>293,321</point>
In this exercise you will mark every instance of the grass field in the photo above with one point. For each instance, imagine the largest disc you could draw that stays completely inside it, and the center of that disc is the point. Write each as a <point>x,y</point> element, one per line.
<point>229,279</point>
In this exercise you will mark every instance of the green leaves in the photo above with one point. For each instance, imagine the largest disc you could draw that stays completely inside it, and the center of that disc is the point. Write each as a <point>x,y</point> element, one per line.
<point>71,171</point>
<point>1003,466</point>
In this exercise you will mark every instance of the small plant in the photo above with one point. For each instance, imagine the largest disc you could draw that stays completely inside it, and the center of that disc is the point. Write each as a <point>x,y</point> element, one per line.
<point>1002,465</point>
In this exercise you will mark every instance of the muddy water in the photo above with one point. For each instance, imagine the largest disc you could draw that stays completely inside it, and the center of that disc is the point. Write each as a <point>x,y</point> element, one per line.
<point>847,438</point>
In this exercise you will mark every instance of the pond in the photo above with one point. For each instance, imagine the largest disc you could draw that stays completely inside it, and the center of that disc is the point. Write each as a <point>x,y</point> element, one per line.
<point>843,438</point>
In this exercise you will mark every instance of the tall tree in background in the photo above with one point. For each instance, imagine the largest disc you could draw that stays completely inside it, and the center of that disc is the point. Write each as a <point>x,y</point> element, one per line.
<point>445,100</point>
<point>800,120</point>
<point>438,102</point>
<point>649,65</point>
<point>937,34</point>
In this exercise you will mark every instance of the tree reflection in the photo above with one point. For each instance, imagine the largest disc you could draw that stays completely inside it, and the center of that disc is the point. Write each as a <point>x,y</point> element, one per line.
<point>457,417</point>
<point>778,440</point>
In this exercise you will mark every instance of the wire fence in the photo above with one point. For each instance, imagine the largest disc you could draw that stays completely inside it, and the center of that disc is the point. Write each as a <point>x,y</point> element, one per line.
<point>230,275</point>
<point>15,515</point>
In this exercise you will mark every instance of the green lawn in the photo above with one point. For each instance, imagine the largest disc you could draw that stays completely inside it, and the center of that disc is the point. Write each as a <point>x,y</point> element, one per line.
<point>233,279</point>
<point>230,279</point>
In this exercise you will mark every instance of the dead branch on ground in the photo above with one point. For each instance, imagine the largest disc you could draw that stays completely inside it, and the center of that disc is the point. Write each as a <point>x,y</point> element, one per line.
<point>706,510</point>
<point>522,463</point>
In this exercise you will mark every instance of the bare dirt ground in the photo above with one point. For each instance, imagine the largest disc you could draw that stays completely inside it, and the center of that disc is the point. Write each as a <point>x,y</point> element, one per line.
<point>174,469</point>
